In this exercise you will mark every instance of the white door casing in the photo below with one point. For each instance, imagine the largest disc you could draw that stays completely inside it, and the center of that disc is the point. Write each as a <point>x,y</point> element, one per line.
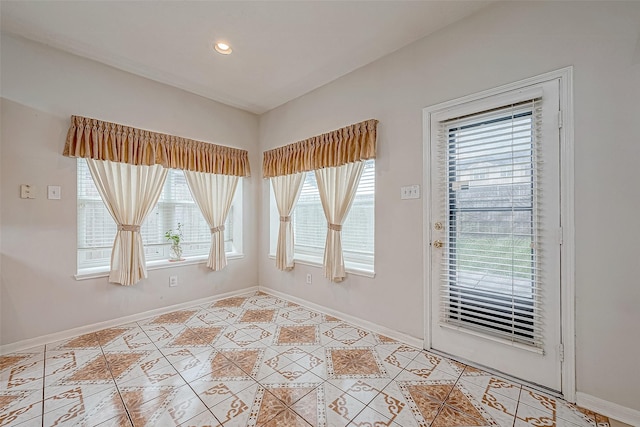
<point>539,364</point>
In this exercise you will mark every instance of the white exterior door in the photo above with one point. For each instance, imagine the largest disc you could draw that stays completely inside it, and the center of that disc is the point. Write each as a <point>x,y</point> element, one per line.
<point>495,236</point>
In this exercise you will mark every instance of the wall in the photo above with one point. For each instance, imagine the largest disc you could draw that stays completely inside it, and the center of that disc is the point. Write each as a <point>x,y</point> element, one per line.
<point>502,44</point>
<point>41,87</point>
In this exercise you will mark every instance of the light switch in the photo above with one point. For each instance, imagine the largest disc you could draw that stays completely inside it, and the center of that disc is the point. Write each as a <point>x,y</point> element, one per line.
<point>410,192</point>
<point>53,192</point>
<point>27,192</point>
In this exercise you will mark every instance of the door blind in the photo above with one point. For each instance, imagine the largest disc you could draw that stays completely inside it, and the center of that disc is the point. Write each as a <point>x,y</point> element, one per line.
<point>491,260</point>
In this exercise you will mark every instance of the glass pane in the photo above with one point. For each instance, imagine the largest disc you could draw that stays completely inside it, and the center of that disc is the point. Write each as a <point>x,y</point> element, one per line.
<point>490,259</point>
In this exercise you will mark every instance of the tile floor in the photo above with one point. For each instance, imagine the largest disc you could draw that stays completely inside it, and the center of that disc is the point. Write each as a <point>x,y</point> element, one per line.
<point>259,360</point>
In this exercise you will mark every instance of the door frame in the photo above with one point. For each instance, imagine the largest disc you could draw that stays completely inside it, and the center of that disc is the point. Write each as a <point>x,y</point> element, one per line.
<point>567,250</point>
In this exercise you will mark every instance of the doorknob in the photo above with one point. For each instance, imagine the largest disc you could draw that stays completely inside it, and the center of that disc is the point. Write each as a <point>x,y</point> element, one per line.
<point>437,244</point>
<point>438,226</point>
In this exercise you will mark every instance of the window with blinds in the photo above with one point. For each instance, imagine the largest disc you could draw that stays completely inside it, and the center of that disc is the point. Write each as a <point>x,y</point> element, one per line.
<point>97,230</point>
<point>491,263</point>
<point>310,224</point>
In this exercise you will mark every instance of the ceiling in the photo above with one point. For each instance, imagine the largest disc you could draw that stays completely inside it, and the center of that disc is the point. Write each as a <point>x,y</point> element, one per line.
<point>281,50</point>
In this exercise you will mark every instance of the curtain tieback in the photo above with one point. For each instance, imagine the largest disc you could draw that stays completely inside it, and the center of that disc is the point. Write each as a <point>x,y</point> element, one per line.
<point>285,219</point>
<point>216,229</point>
<point>335,227</point>
<point>128,227</point>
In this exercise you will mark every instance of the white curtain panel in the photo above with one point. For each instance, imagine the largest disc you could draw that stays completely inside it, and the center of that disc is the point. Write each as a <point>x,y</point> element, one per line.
<point>214,194</point>
<point>286,189</point>
<point>337,187</point>
<point>130,192</point>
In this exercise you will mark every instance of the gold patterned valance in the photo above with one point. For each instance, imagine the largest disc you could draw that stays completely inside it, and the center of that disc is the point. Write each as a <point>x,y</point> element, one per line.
<point>99,140</point>
<point>346,145</point>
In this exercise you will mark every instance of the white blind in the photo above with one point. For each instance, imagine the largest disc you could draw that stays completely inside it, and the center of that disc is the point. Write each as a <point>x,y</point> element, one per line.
<point>491,262</point>
<point>310,224</point>
<point>97,230</point>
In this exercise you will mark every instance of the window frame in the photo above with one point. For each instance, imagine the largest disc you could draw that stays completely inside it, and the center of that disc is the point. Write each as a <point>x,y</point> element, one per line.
<point>236,219</point>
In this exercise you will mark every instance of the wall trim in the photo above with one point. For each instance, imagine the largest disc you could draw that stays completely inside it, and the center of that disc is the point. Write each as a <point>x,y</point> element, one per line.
<point>612,410</point>
<point>94,327</point>
<point>374,327</point>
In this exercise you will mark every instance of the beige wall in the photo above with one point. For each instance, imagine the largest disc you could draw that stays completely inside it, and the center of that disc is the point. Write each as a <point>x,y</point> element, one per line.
<point>504,43</point>
<point>41,88</point>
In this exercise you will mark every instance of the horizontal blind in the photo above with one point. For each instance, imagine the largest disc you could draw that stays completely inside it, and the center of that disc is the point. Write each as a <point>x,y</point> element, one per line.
<point>310,224</point>
<point>97,229</point>
<point>491,263</point>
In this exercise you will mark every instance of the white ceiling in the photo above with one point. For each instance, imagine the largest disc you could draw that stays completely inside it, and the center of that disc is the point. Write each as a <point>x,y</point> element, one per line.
<point>281,50</point>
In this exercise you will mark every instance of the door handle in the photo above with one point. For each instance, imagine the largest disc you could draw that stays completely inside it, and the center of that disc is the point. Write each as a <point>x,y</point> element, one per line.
<point>437,244</point>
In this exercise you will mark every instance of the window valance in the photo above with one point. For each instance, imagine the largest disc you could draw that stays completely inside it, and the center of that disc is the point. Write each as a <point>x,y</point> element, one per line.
<point>100,140</point>
<point>345,145</point>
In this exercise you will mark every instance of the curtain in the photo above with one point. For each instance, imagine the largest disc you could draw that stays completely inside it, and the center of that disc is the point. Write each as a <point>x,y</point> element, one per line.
<point>100,140</point>
<point>213,193</point>
<point>129,193</point>
<point>337,187</point>
<point>349,144</point>
<point>286,189</point>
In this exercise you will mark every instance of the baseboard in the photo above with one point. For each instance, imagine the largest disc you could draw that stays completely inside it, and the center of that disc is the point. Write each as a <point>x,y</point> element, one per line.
<point>70,333</point>
<point>609,409</point>
<point>398,336</point>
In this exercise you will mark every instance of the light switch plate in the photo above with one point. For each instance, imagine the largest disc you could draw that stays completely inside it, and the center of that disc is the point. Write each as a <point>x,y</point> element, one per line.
<point>53,192</point>
<point>27,191</point>
<point>410,192</point>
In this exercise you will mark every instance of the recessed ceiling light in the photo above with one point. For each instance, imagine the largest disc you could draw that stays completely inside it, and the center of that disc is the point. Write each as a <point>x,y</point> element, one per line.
<point>222,48</point>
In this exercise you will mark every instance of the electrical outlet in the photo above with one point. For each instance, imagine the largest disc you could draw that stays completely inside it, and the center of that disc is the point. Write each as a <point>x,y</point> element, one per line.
<point>173,281</point>
<point>309,278</point>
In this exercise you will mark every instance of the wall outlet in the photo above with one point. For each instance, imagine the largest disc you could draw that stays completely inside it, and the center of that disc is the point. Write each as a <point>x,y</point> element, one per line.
<point>309,278</point>
<point>173,281</point>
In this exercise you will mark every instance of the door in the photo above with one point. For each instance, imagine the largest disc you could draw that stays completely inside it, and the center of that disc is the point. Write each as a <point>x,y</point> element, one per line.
<point>495,233</point>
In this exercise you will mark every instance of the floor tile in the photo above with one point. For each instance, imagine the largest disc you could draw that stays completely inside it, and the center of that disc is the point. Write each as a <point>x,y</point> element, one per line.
<point>299,315</point>
<point>203,419</point>
<point>58,396</point>
<point>19,406</point>
<point>87,410</point>
<point>549,408</point>
<point>354,363</point>
<point>260,360</point>
<point>297,335</point>
<point>450,417</point>
<point>236,409</point>
<point>172,406</point>
<point>416,370</point>
<point>485,380</point>
<point>340,407</point>
<point>229,302</point>
<point>443,364</point>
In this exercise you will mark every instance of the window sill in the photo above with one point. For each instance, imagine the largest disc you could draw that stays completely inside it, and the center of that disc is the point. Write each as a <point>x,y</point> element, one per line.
<point>97,272</point>
<point>350,267</point>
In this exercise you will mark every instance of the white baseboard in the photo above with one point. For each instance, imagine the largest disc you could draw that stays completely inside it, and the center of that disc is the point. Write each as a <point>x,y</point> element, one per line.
<point>398,336</point>
<point>609,409</point>
<point>70,333</point>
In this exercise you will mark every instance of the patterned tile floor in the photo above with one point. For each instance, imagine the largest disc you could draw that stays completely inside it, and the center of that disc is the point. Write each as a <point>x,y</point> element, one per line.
<point>259,360</point>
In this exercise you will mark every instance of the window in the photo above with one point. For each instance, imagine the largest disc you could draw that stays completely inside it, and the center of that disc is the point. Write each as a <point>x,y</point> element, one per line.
<point>97,230</point>
<point>310,224</point>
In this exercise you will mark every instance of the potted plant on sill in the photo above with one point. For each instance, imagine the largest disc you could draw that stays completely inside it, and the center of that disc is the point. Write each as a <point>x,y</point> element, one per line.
<point>175,237</point>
